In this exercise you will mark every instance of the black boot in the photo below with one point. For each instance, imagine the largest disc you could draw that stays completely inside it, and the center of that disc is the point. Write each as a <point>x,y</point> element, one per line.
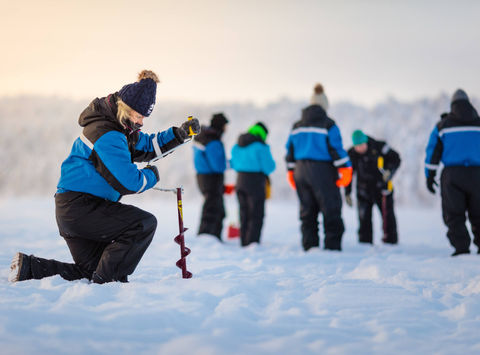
<point>20,268</point>
<point>460,252</point>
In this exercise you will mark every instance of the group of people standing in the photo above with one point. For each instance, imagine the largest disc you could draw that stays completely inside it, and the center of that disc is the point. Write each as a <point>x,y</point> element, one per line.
<point>318,166</point>
<point>252,159</point>
<point>107,239</point>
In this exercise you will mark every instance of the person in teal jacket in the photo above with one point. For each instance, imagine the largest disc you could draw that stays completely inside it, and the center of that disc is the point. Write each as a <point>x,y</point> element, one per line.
<point>253,162</point>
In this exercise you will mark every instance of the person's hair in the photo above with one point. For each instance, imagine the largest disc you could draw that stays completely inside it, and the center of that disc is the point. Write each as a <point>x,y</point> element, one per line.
<point>124,112</point>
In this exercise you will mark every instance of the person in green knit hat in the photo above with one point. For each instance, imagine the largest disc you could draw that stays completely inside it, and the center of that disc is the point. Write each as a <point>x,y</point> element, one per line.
<point>253,162</point>
<point>374,164</point>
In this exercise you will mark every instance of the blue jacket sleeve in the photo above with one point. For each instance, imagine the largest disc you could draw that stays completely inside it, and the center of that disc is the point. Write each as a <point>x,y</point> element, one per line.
<point>113,161</point>
<point>266,161</point>
<point>433,153</point>
<point>150,146</point>
<point>335,148</point>
<point>215,155</point>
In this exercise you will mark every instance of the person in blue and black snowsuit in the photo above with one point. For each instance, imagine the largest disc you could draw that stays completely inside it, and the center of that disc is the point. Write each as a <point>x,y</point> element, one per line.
<point>455,143</point>
<point>253,162</point>
<point>317,166</point>
<point>210,164</point>
<point>374,185</point>
<point>106,238</point>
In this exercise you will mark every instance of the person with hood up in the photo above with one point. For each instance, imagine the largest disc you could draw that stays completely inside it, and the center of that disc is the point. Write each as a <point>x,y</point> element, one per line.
<point>374,163</point>
<point>210,164</point>
<point>106,238</point>
<point>253,162</point>
<point>317,166</point>
<point>455,143</point>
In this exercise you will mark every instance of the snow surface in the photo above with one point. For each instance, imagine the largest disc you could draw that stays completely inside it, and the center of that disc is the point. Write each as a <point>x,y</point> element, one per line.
<point>269,299</point>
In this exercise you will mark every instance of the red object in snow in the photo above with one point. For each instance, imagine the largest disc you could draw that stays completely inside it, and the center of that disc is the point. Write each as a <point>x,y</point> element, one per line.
<point>229,189</point>
<point>233,231</point>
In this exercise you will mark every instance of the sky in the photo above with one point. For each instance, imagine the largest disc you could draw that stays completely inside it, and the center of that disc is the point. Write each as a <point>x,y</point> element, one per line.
<point>258,51</point>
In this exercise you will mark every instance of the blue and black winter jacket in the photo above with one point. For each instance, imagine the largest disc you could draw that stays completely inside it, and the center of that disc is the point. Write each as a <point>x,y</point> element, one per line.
<point>101,162</point>
<point>252,155</point>
<point>316,137</point>
<point>208,152</point>
<point>455,140</point>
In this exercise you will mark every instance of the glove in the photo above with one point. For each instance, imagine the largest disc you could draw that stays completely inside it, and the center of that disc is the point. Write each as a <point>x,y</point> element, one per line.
<point>291,180</point>
<point>431,182</point>
<point>155,171</point>
<point>228,189</point>
<point>345,176</point>
<point>268,189</point>
<point>188,128</point>
<point>348,200</point>
<point>387,174</point>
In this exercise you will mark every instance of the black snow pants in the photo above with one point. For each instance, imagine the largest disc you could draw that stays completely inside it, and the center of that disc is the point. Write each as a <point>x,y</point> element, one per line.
<point>317,192</point>
<point>461,197</point>
<point>251,198</point>
<point>105,237</point>
<point>213,210</point>
<point>366,199</point>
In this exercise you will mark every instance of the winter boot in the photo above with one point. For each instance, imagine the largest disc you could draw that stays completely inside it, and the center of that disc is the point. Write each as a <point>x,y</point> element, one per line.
<point>460,252</point>
<point>20,268</point>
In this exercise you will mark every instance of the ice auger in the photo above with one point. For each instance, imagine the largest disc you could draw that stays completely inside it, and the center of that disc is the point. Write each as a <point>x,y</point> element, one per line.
<point>180,239</point>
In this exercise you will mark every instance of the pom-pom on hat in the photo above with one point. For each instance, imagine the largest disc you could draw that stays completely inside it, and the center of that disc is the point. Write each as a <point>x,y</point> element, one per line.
<point>218,121</point>
<point>319,97</point>
<point>358,137</point>
<point>260,130</point>
<point>140,96</point>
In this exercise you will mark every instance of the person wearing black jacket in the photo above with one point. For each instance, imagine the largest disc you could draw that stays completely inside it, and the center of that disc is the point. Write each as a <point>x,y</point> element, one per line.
<point>374,164</point>
<point>210,164</point>
<point>106,238</point>
<point>317,167</point>
<point>455,143</point>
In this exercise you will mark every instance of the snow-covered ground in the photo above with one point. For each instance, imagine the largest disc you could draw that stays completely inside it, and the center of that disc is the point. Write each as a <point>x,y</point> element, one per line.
<point>269,299</point>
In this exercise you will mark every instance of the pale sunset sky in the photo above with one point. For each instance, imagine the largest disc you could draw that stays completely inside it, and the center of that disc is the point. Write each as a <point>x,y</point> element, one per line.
<point>246,50</point>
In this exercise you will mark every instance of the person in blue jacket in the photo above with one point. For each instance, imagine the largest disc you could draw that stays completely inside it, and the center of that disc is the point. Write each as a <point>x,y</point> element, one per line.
<point>106,238</point>
<point>455,143</point>
<point>317,166</point>
<point>210,164</point>
<point>253,162</point>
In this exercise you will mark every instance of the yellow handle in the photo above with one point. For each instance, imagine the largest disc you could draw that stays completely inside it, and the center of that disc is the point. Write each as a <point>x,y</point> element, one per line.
<point>190,130</point>
<point>390,185</point>
<point>380,163</point>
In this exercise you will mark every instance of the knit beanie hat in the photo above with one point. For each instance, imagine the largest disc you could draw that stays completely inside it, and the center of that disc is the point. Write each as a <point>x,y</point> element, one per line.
<point>218,121</point>
<point>319,97</point>
<point>140,96</point>
<point>259,130</point>
<point>358,137</point>
<point>459,95</point>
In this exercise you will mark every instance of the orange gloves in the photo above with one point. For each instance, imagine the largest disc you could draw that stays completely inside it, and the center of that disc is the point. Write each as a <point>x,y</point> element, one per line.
<point>228,189</point>
<point>345,176</point>
<point>291,180</point>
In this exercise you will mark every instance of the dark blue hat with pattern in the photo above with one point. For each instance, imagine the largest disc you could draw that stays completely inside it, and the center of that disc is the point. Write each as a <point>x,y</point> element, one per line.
<point>140,96</point>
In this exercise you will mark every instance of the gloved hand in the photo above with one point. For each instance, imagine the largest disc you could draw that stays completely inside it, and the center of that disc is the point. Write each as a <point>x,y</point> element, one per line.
<point>431,182</point>
<point>345,176</point>
<point>155,171</point>
<point>228,189</point>
<point>188,128</point>
<point>291,180</point>
<point>348,200</point>
<point>387,174</point>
